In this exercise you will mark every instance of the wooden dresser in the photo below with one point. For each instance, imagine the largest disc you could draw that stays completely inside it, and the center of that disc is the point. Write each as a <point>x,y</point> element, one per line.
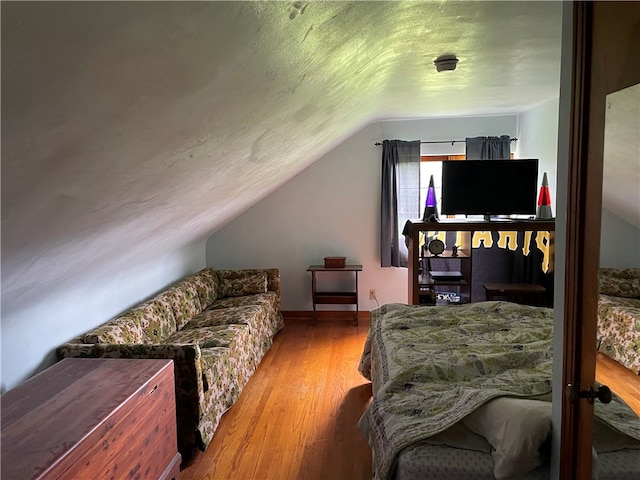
<point>92,418</point>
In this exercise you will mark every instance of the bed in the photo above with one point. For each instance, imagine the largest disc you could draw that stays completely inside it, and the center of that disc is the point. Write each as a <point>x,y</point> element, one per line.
<point>464,392</point>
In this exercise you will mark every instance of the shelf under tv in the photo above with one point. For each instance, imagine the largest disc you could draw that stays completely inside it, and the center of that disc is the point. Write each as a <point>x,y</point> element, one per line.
<point>420,282</point>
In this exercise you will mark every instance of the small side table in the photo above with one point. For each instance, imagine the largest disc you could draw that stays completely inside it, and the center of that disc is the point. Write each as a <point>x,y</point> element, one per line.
<point>334,297</point>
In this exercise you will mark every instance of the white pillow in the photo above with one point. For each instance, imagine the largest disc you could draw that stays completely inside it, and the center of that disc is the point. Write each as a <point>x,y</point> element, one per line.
<point>516,428</point>
<point>459,435</point>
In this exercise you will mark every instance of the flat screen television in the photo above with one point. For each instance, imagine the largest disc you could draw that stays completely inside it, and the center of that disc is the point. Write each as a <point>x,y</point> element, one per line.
<point>489,187</point>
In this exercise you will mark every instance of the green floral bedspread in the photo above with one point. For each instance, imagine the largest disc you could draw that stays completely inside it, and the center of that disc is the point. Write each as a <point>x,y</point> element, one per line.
<point>432,366</point>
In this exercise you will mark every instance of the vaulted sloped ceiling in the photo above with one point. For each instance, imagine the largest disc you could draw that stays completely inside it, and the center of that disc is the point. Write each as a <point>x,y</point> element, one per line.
<point>130,129</point>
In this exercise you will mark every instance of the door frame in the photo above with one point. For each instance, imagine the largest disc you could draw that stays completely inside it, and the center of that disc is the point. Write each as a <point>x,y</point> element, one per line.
<point>605,39</point>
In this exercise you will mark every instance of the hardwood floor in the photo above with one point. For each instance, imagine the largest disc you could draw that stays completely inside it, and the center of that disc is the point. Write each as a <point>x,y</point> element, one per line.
<point>619,379</point>
<point>297,416</point>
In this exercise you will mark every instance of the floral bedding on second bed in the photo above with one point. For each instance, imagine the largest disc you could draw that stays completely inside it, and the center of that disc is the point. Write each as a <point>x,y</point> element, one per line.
<point>433,366</point>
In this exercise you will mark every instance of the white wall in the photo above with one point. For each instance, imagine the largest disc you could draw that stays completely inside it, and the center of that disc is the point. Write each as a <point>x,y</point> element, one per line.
<point>330,209</point>
<point>333,208</point>
<point>538,138</point>
<point>31,334</point>
<point>619,242</point>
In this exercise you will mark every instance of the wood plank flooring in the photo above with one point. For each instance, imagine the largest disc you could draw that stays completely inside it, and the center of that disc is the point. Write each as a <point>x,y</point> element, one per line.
<point>297,416</point>
<point>619,379</point>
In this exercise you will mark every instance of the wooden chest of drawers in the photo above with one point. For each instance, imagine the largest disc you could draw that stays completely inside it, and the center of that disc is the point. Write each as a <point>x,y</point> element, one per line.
<point>92,418</point>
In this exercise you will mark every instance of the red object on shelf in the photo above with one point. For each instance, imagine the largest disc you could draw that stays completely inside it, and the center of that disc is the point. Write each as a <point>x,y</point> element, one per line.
<point>544,200</point>
<point>545,196</point>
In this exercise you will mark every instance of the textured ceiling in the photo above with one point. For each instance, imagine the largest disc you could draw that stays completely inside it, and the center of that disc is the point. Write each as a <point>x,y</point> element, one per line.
<point>131,129</point>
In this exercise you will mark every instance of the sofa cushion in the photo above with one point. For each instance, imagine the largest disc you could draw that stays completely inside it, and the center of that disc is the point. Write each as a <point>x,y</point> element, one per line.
<point>185,301</point>
<point>116,332</point>
<point>264,300</point>
<point>619,282</point>
<point>205,337</point>
<point>248,315</point>
<point>236,283</point>
<point>242,345</point>
<point>149,322</point>
<point>272,320</point>
<point>207,283</point>
<point>162,321</point>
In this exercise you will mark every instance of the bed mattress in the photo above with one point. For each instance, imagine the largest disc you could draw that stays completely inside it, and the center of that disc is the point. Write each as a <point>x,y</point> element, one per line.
<point>449,463</point>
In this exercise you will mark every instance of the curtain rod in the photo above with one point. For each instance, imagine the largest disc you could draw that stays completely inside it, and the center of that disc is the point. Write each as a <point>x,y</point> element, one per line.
<point>377,144</point>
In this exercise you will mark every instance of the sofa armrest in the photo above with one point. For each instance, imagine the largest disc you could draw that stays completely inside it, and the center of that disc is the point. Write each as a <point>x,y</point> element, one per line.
<point>273,282</point>
<point>619,282</point>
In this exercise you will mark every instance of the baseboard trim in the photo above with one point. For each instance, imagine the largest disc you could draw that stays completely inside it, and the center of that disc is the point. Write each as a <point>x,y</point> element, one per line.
<point>324,315</point>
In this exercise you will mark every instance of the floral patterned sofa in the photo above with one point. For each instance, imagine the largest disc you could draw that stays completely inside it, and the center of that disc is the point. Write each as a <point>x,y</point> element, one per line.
<point>215,324</point>
<point>619,315</point>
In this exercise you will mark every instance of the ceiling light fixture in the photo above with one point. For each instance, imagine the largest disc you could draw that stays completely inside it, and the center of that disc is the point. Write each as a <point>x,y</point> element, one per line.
<point>446,62</point>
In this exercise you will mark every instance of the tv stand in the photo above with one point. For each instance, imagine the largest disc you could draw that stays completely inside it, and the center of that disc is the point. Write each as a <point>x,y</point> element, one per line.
<point>422,285</point>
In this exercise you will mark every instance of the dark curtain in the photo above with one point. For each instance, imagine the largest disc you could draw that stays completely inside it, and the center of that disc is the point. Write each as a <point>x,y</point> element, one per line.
<point>488,148</point>
<point>400,199</point>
